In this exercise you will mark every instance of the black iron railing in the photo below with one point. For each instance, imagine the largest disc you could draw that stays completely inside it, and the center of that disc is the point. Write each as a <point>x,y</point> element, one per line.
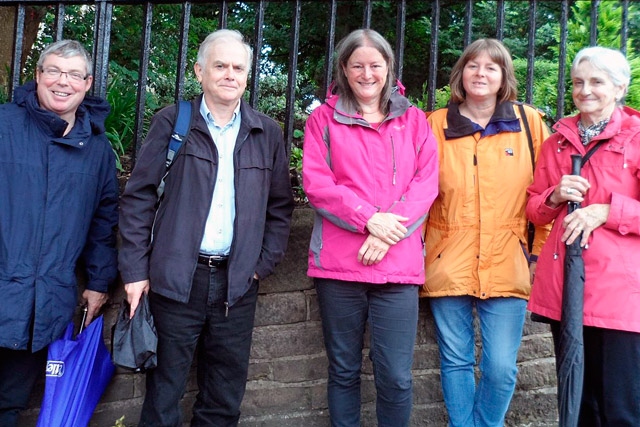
<point>104,14</point>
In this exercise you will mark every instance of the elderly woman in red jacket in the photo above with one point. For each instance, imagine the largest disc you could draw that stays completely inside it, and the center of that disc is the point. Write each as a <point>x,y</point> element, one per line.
<point>607,226</point>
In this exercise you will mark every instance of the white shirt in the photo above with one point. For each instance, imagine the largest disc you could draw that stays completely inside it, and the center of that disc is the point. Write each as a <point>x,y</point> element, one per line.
<point>218,232</point>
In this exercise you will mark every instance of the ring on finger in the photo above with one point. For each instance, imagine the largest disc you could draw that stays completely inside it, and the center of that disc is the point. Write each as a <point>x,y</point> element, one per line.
<point>569,190</point>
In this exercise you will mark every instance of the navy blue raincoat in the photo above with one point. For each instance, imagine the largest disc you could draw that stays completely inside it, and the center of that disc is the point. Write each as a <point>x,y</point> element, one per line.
<point>58,205</point>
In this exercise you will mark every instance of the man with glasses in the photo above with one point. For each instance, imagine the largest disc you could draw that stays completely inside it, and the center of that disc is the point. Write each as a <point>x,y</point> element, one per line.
<point>58,208</point>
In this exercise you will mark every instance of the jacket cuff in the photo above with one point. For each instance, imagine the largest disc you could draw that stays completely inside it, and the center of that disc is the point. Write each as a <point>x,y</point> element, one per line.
<point>131,277</point>
<point>101,286</point>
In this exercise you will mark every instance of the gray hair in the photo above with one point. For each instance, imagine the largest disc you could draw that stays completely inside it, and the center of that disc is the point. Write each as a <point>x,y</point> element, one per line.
<point>67,49</point>
<point>610,61</point>
<point>344,50</point>
<point>223,35</point>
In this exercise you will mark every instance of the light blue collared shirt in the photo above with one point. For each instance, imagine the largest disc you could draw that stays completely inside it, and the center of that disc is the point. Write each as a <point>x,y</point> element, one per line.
<point>218,232</point>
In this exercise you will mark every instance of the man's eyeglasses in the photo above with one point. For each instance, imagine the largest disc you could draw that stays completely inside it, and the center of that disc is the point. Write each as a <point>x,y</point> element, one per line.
<point>54,74</point>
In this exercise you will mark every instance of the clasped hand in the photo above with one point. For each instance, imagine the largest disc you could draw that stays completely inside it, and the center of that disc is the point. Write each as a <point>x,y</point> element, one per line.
<point>581,222</point>
<point>386,229</point>
<point>584,221</point>
<point>571,188</point>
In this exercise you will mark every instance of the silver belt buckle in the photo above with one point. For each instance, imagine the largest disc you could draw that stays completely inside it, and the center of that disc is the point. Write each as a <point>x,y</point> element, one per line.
<point>214,261</point>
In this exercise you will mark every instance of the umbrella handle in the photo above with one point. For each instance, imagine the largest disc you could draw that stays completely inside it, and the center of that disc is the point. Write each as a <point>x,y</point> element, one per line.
<point>85,309</point>
<point>576,164</point>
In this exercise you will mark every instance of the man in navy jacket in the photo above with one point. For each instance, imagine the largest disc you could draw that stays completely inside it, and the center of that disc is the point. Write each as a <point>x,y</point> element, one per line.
<point>221,225</point>
<point>58,205</point>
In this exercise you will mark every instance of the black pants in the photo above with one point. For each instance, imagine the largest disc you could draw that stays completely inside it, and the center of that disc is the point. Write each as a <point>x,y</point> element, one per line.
<point>19,372</point>
<point>611,394</point>
<point>223,342</point>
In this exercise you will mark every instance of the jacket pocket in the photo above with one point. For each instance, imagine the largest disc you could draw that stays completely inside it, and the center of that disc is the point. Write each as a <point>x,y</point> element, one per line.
<point>254,159</point>
<point>253,176</point>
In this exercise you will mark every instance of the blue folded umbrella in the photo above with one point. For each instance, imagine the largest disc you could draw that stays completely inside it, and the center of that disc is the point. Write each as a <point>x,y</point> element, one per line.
<point>78,372</point>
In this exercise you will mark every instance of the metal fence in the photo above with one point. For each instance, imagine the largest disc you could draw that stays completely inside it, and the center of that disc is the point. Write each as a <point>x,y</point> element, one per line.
<point>102,36</point>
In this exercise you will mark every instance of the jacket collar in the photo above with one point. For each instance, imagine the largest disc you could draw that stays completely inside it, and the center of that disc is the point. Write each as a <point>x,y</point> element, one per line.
<point>398,105</point>
<point>90,116</point>
<point>623,120</point>
<point>504,119</point>
<point>250,120</point>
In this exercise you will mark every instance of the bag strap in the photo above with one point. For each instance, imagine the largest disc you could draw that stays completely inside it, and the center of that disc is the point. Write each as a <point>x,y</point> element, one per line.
<point>181,127</point>
<point>531,229</point>
<point>591,151</point>
<point>525,122</point>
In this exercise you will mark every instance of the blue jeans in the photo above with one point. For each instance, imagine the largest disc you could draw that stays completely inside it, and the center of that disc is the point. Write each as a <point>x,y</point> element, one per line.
<point>501,323</point>
<point>222,342</point>
<point>392,313</point>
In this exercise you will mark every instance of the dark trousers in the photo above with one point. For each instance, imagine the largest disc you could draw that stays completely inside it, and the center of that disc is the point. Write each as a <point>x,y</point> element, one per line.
<point>19,372</point>
<point>611,393</point>
<point>223,343</point>
<point>391,310</point>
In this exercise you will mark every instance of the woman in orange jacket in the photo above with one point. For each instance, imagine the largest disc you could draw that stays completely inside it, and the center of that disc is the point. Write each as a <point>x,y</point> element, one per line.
<point>476,240</point>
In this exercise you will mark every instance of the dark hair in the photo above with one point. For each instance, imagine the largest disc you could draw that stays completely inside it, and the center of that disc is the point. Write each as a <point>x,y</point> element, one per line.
<point>344,50</point>
<point>498,54</point>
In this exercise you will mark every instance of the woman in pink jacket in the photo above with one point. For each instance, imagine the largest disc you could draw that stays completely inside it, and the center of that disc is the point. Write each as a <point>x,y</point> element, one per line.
<point>608,228</point>
<point>370,172</point>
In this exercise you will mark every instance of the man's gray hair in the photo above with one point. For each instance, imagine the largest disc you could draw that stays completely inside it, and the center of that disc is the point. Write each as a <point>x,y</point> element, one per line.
<point>67,49</point>
<point>609,61</point>
<point>222,35</point>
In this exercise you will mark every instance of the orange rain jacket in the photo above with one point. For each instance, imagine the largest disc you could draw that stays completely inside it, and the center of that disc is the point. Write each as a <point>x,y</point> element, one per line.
<point>475,234</point>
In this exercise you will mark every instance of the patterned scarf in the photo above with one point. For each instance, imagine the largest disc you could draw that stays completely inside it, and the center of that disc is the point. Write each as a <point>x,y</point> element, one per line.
<point>588,133</point>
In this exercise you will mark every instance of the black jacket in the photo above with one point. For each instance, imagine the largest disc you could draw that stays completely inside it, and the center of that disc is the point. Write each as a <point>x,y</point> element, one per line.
<point>166,252</point>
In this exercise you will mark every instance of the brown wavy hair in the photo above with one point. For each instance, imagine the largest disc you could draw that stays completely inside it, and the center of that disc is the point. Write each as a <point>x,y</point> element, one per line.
<point>498,54</point>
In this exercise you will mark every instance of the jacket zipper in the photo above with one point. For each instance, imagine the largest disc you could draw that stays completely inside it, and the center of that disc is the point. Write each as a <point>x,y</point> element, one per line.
<point>393,157</point>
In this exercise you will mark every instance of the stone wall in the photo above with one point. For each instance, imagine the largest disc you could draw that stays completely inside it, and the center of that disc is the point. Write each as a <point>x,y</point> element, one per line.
<point>287,378</point>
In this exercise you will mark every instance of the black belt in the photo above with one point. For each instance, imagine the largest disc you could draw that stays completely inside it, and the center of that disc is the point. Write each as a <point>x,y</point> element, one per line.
<point>218,261</point>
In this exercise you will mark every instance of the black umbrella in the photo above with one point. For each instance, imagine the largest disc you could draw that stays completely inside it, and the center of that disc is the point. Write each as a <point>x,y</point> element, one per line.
<point>570,356</point>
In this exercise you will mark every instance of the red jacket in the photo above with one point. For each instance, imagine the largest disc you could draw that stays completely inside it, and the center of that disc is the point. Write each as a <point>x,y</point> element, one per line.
<point>612,273</point>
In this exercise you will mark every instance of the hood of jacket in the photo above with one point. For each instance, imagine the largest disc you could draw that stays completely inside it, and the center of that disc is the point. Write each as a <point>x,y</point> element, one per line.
<point>398,105</point>
<point>97,109</point>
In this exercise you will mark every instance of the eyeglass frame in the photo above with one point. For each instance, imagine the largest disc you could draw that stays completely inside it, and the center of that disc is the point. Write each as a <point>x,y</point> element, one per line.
<point>71,77</point>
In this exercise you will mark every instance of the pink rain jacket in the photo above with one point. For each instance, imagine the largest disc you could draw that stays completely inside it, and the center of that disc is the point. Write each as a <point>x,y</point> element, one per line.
<point>352,170</point>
